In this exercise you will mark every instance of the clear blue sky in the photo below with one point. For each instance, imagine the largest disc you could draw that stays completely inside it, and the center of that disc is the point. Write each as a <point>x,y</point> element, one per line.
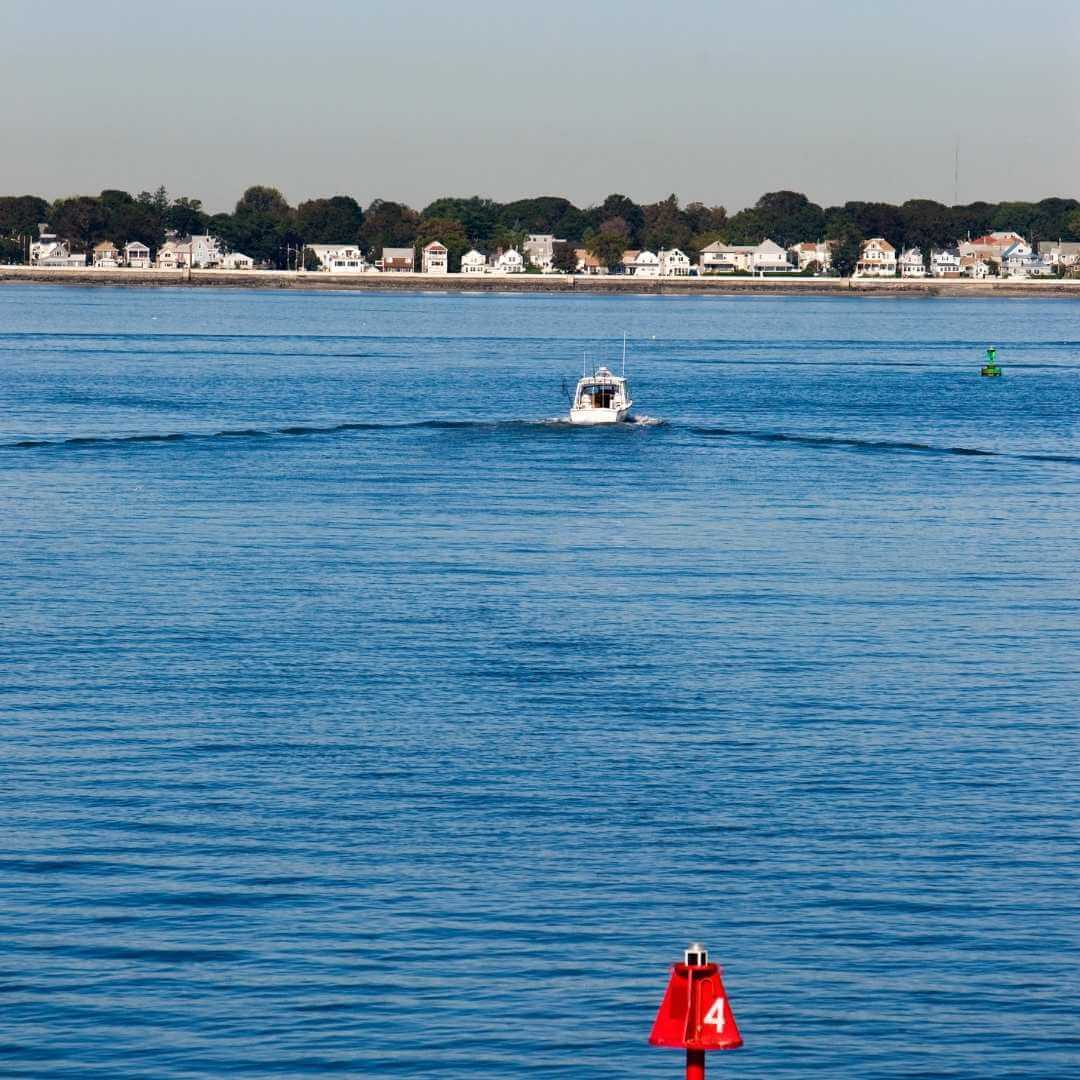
<point>411,99</point>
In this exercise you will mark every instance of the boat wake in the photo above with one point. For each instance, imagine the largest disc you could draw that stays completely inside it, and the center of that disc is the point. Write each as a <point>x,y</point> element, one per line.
<point>871,445</point>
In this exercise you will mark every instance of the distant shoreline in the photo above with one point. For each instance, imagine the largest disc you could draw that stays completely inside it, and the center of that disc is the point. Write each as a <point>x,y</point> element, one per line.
<point>547,283</point>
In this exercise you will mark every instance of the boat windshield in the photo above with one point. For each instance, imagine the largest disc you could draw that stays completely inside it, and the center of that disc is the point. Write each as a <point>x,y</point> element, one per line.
<point>595,396</point>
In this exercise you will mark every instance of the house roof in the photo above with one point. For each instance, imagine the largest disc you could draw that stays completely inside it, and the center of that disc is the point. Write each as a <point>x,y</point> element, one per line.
<point>435,246</point>
<point>397,253</point>
<point>1065,247</point>
<point>881,243</point>
<point>769,245</point>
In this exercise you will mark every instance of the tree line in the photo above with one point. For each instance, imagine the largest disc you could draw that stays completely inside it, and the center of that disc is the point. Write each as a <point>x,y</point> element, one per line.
<point>265,226</point>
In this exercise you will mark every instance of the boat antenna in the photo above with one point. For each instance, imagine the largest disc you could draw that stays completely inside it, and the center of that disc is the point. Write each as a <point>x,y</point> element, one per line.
<point>623,354</point>
<point>584,361</point>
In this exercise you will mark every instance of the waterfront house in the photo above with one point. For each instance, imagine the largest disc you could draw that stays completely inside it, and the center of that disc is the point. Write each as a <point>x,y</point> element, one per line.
<point>137,255</point>
<point>768,257</point>
<point>337,258</point>
<point>990,246</point>
<point>539,249</point>
<point>398,260</point>
<point>674,263</point>
<point>49,250</point>
<point>237,260</point>
<point>473,262</point>
<point>644,264</point>
<point>587,263</point>
<point>911,263</point>
<point>810,253</point>
<point>105,256</point>
<point>974,266</point>
<point>945,264</point>
<point>510,262</point>
<point>174,255</point>
<point>435,258</point>
<point>1063,254</point>
<point>205,251</point>
<point>1020,261</point>
<point>721,258</point>
<point>877,259</point>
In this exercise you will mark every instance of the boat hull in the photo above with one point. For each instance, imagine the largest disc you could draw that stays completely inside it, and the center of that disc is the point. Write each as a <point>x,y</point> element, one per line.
<point>598,416</point>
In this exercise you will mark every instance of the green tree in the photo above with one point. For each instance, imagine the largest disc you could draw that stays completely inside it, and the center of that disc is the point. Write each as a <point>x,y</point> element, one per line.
<point>847,250</point>
<point>21,214</point>
<point>788,217</point>
<point>665,225</point>
<point>539,215</point>
<point>624,208</point>
<point>608,242</point>
<point>449,233</point>
<point>80,220</point>
<point>11,251</point>
<point>388,224</point>
<point>478,216</point>
<point>185,217</point>
<point>329,221</point>
<point>563,257</point>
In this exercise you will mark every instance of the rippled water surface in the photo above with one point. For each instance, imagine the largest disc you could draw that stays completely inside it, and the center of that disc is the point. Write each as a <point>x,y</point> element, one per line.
<point>357,720</point>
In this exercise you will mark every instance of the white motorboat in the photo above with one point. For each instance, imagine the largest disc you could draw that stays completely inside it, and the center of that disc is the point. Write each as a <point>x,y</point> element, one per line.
<point>602,397</point>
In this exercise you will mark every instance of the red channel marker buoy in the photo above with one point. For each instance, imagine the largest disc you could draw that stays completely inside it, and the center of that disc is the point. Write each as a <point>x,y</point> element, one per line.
<point>695,1014</point>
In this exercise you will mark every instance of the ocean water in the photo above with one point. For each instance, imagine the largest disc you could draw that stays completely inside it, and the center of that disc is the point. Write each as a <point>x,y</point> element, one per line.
<point>359,720</point>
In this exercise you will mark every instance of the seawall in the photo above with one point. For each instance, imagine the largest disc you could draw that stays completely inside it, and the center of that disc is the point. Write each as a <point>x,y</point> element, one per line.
<point>550,283</point>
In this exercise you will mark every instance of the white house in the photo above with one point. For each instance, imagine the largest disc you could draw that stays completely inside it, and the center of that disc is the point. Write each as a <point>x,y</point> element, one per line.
<point>510,262</point>
<point>769,257</point>
<point>974,266</point>
<point>877,259</point>
<point>809,252</point>
<point>585,262</point>
<point>540,249</point>
<point>1019,261</point>
<point>174,255</point>
<point>645,264</point>
<point>435,258</point>
<point>911,263</point>
<point>205,251</point>
<point>473,262</point>
<point>47,250</point>
<point>1063,253</point>
<point>236,260</point>
<point>105,256</point>
<point>674,263</point>
<point>137,255</point>
<point>335,258</point>
<point>398,260</point>
<point>945,264</point>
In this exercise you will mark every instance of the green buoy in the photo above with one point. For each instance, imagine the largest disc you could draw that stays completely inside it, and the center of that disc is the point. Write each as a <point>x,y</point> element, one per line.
<point>991,369</point>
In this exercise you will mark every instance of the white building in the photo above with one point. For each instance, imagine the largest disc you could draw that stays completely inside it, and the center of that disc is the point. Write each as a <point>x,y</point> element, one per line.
<point>435,258</point>
<point>945,264</point>
<point>397,260</point>
<point>473,262</point>
<point>674,263</point>
<point>105,256</point>
<point>174,255</point>
<point>205,252</point>
<point>1060,253</point>
<point>137,255</point>
<point>644,264</point>
<point>1019,261</point>
<point>47,250</point>
<point>336,258</point>
<point>991,246</point>
<point>877,259</point>
<point>974,266</point>
<point>539,248</point>
<point>237,260</point>
<point>911,263</point>
<point>510,262</point>
<point>810,252</point>
<point>769,257</point>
